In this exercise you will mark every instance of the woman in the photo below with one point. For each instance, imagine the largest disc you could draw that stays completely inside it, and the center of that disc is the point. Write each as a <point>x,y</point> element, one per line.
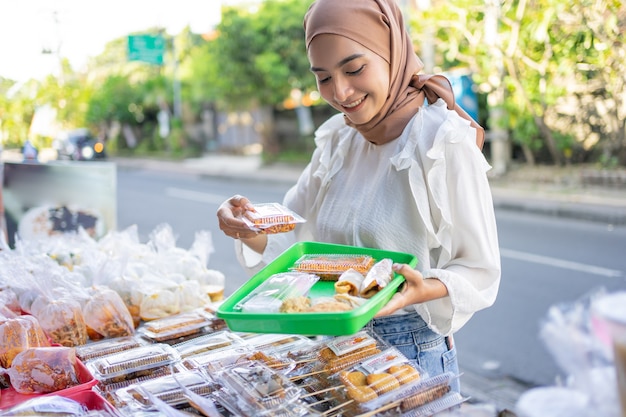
<point>398,170</point>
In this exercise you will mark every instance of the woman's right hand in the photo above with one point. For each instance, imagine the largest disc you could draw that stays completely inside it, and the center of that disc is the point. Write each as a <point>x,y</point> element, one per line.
<point>229,216</point>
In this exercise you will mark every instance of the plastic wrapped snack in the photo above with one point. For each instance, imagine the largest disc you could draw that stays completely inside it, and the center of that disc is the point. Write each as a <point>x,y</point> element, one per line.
<point>261,388</point>
<point>132,363</point>
<point>269,296</point>
<point>43,370</point>
<point>106,347</point>
<point>329,267</point>
<point>174,327</point>
<point>62,319</point>
<point>211,342</point>
<point>169,389</point>
<point>378,380</point>
<point>106,315</point>
<point>272,218</point>
<point>18,334</point>
<point>52,405</point>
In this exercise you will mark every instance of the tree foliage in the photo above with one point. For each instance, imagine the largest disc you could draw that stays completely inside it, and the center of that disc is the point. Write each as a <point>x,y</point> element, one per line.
<point>562,70</point>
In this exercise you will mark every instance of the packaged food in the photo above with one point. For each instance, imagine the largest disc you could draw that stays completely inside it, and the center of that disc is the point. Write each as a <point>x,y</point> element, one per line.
<point>260,387</point>
<point>43,370</point>
<point>211,342</point>
<point>106,315</point>
<point>106,347</point>
<point>169,389</point>
<point>270,295</point>
<point>133,363</point>
<point>345,351</point>
<point>216,360</point>
<point>62,319</point>
<point>272,218</point>
<point>53,405</point>
<point>330,266</point>
<point>18,334</point>
<point>174,327</point>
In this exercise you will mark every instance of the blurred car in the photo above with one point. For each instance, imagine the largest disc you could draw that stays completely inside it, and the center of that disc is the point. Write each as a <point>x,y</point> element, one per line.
<point>79,145</point>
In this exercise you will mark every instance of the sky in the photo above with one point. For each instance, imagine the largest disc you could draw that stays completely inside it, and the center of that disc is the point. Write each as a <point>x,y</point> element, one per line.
<point>80,29</point>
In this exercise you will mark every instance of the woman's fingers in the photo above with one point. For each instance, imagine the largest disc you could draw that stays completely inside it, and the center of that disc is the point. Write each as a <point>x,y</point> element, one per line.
<point>229,215</point>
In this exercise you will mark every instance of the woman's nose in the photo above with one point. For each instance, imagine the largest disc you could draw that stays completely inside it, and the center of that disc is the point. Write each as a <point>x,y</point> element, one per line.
<point>342,89</point>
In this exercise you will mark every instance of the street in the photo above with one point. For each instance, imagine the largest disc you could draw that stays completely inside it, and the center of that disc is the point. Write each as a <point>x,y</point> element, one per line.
<point>545,261</point>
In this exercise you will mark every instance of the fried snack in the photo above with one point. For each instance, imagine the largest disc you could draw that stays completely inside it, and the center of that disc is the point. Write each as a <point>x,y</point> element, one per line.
<point>295,304</point>
<point>353,379</point>
<point>424,397</point>
<point>329,267</point>
<point>382,383</point>
<point>346,361</point>
<point>349,282</point>
<point>44,370</point>
<point>404,373</point>
<point>326,354</point>
<point>272,218</point>
<point>361,393</point>
<point>329,306</point>
<point>352,301</point>
<point>18,334</point>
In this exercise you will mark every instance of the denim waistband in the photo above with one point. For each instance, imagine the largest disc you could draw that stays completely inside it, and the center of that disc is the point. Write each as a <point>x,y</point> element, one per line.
<point>405,323</point>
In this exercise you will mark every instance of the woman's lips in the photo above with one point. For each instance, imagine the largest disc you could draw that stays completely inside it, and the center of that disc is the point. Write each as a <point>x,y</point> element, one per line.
<point>354,106</point>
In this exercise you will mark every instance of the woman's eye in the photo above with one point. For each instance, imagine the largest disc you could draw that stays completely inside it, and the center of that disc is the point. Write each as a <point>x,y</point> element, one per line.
<point>357,72</point>
<point>323,80</point>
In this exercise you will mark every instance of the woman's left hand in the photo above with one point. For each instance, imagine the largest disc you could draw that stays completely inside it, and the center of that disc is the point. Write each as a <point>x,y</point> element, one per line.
<point>415,290</point>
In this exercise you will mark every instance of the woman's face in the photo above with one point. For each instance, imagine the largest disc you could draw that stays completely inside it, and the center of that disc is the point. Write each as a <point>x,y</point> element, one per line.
<point>350,77</point>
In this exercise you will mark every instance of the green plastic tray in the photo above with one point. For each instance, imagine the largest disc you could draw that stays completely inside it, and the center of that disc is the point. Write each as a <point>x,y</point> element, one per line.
<point>318,323</point>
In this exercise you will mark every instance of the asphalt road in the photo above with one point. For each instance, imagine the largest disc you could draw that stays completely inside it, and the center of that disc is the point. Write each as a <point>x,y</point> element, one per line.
<point>546,261</point>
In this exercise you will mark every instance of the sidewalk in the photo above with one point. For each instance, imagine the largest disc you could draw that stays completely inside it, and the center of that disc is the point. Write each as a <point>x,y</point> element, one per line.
<point>574,192</point>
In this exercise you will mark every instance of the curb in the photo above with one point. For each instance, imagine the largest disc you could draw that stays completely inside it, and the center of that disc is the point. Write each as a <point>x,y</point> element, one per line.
<point>602,205</point>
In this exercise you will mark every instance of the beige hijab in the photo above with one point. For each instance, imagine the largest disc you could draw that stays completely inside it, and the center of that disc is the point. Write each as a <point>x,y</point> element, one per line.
<point>379,26</point>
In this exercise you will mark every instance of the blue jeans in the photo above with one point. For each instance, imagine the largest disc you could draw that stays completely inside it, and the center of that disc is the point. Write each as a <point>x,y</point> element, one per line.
<point>413,338</point>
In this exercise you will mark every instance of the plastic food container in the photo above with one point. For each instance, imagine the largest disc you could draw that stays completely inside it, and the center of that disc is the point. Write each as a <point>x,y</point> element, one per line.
<point>133,363</point>
<point>272,218</point>
<point>311,323</point>
<point>174,327</point>
<point>9,397</point>
<point>106,347</point>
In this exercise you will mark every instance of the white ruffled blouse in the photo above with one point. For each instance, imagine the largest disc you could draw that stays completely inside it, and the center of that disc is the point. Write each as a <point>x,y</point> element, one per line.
<point>425,193</point>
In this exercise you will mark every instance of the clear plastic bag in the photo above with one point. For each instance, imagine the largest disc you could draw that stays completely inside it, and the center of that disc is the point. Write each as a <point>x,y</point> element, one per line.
<point>43,370</point>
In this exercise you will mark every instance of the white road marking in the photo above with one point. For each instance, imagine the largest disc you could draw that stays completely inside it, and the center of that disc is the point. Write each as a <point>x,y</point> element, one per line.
<point>507,253</point>
<point>194,195</point>
<point>560,263</point>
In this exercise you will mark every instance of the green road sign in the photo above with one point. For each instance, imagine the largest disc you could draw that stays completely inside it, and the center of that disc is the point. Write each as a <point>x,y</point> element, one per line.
<point>146,48</point>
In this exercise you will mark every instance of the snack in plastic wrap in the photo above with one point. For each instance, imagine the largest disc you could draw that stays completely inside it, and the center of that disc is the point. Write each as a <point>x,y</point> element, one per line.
<point>18,334</point>
<point>169,389</point>
<point>210,342</point>
<point>269,296</point>
<point>51,406</point>
<point>272,218</point>
<point>262,388</point>
<point>345,351</point>
<point>329,267</point>
<point>62,319</point>
<point>376,278</point>
<point>106,315</point>
<point>43,370</point>
<point>106,347</point>
<point>131,364</point>
<point>174,327</point>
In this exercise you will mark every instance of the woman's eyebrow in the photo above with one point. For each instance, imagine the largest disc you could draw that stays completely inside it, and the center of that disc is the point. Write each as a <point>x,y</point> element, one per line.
<point>340,63</point>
